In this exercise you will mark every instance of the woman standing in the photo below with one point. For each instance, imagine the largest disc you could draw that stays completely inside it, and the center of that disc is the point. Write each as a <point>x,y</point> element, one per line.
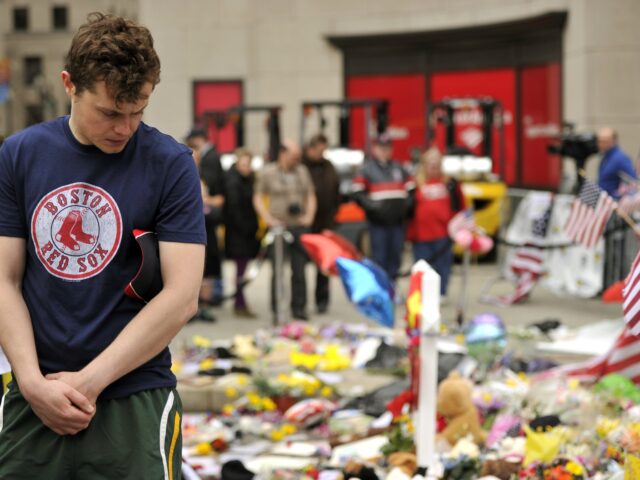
<point>241,223</point>
<point>437,200</point>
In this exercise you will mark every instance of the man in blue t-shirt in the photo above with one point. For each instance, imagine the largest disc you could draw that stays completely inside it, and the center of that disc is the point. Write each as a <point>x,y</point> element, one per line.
<point>614,164</point>
<point>94,396</point>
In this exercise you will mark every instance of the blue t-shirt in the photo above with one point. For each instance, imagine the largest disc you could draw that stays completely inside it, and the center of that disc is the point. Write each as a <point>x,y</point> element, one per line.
<point>613,162</point>
<point>76,207</point>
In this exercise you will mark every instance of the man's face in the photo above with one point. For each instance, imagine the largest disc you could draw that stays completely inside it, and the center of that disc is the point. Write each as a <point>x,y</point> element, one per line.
<point>606,140</point>
<point>382,151</point>
<point>286,160</point>
<point>97,120</point>
<point>317,151</point>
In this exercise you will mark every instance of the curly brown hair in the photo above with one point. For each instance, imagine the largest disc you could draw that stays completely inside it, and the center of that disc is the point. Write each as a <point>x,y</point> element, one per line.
<point>116,50</point>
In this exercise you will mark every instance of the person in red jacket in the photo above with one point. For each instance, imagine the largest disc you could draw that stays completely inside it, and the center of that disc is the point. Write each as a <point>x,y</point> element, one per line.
<point>437,200</point>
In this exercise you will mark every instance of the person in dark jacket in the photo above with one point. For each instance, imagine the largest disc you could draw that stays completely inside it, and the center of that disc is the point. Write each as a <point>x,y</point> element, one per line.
<point>241,224</point>
<point>384,190</point>
<point>213,176</point>
<point>327,185</point>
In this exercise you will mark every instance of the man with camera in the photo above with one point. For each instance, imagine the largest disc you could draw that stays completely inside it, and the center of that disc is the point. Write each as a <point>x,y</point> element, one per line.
<point>614,162</point>
<point>292,205</point>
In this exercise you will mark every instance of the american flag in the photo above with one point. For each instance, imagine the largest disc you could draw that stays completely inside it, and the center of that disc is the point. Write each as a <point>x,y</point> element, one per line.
<point>622,358</point>
<point>631,296</point>
<point>527,263</point>
<point>463,220</point>
<point>589,214</point>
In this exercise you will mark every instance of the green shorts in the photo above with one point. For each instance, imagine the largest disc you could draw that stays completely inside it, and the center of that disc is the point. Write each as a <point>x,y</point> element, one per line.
<point>137,437</point>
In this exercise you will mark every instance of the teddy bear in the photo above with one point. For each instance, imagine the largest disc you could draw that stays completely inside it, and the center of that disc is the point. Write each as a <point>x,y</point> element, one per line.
<point>455,404</point>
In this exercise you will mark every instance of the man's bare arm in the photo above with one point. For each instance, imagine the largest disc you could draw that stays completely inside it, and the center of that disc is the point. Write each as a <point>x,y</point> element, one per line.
<point>153,327</point>
<point>59,406</point>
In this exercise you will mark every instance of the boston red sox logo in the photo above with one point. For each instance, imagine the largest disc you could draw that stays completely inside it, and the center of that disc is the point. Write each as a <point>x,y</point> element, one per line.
<point>76,230</point>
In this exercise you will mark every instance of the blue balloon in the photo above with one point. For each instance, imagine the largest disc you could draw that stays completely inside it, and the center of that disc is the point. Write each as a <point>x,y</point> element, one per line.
<point>368,287</point>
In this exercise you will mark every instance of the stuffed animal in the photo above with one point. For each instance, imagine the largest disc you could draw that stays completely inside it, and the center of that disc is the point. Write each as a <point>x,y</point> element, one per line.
<point>500,468</point>
<point>406,461</point>
<point>456,406</point>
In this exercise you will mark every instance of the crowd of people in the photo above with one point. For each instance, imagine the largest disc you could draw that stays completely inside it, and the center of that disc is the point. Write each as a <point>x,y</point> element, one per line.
<point>300,192</point>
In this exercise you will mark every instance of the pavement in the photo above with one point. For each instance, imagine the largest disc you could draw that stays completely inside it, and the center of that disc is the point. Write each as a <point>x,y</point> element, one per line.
<point>541,305</point>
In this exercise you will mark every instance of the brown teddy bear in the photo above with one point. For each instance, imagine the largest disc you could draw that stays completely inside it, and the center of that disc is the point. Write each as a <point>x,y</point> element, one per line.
<point>502,469</point>
<point>456,406</point>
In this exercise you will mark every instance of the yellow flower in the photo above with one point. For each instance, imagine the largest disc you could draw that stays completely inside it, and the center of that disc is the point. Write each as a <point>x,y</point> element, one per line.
<point>574,384</point>
<point>606,426</point>
<point>228,410</point>
<point>326,391</point>
<point>309,389</point>
<point>176,366</point>
<point>242,380</point>
<point>574,468</point>
<point>487,397</point>
<point>201,342</point>
<point>288,429</point>
<point>268,404</point>
<point>282,378</point>
<point>403,418</point>
<point>410,427</point>
<point>230,392</point>
<point>206,364</point>
<point>204,448</point>
<point>277,435</point>
<point>309,361</point>
<point>254,399</point>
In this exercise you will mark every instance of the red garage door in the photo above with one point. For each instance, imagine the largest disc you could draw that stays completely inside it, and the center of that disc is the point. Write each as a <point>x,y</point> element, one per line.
<point>214,95</point>
<point>540,117</point>
<point>406,96</point>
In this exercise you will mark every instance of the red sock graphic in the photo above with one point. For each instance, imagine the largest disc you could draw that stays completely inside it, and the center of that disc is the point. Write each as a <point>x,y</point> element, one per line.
<point>64,234</point>
<point>79,234</point>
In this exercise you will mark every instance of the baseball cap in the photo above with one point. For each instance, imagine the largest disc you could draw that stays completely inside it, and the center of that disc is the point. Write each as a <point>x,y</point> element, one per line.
<point>196,132</point>
<point>382,139</point>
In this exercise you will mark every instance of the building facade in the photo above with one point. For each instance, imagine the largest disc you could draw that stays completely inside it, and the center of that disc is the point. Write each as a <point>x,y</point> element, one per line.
<point>34,39</point>
<point>546,61</point>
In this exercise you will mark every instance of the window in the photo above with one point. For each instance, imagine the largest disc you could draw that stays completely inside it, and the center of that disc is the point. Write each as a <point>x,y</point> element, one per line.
<point>60,18</point>
<point>20,19</point>
<point>32,69</point>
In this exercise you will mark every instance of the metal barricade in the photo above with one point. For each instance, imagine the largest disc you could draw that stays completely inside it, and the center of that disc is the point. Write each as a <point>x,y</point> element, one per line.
<point>620,249</point>
<point>279,235</point>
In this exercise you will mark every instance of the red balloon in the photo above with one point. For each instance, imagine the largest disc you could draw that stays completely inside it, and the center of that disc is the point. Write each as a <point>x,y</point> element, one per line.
<point>345,244</point>
<point>324,248</point>
<point>613,294</point>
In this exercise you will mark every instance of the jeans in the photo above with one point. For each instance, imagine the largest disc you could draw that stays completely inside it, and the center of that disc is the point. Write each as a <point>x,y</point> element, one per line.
<point>387,242</point>
<point>439,255</point>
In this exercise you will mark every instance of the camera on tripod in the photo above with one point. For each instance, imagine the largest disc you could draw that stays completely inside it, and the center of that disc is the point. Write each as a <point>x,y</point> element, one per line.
<point>578,146</point>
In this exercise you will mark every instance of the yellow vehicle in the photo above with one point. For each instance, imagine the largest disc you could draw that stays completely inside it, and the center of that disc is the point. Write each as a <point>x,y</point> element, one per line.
<point>474,169</point>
